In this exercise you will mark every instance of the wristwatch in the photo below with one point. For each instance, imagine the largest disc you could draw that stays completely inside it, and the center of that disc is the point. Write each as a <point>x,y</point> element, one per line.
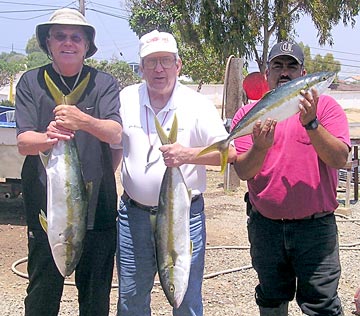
<point>312,124</point>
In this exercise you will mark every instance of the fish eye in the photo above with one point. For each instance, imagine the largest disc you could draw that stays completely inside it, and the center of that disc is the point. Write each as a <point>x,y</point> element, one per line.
<point>172,288</point>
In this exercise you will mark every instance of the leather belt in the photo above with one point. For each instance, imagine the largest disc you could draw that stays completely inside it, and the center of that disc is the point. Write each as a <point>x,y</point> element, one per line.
<point>151,209</point>
<point>314,216</point>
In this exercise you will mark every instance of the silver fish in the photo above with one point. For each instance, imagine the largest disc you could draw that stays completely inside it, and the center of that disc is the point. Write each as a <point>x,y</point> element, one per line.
<point>172,229</point>
<point>67,195</point>
<point>278,104</point>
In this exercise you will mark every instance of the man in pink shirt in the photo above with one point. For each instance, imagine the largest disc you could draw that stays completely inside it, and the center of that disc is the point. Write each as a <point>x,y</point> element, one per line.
<point>291,171</point>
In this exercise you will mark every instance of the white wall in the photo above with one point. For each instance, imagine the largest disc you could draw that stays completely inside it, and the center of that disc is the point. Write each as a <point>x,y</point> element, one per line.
<point>347,99</point>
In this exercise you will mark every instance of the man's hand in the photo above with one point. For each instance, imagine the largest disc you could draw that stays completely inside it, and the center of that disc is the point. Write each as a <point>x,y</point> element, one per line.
<point>174,155</point>
<point>308,106</point>
<point>56,132</point>
<point>69,117</point>
<point>263,135</point>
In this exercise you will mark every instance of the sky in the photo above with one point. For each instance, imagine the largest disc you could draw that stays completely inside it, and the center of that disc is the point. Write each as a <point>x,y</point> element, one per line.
<point>114,38</point>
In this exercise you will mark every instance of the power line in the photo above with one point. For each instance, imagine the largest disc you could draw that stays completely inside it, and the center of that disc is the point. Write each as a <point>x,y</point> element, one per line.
<point>31,4</point>
<point>107,6</point>
<point>109,14</point>
<point>50,9</point>
<point>335,51</point>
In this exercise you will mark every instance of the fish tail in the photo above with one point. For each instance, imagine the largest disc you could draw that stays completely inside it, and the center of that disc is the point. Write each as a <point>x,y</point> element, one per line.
<point>224,159</point>
<point>71,98</point>
<point>172,135</point>
<point>221,146</point>
<point>75,95</point>
<point>44,158</point>
<point>58,96</point>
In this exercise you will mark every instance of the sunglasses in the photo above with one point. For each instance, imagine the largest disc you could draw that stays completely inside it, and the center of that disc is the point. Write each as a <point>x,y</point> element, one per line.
<point>166,62</point>
<point>61,37</point>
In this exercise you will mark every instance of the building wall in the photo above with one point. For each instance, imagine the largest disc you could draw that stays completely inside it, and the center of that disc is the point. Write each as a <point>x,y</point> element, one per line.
<point>347,99</point>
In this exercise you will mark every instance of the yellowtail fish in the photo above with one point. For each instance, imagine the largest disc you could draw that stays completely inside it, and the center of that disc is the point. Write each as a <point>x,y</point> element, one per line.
<point>278,104</point>
<point>172,228</point>
<point>67,196</point>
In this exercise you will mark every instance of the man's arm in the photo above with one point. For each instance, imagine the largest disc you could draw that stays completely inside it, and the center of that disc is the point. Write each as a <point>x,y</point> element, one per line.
<point>72,118</point>
<point>31,142</point>
<point>248,164</point>
<point>331,150</point>
<point>176,155</point>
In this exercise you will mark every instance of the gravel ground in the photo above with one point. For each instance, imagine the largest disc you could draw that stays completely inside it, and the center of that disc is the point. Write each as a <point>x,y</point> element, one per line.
<point>228,288</point>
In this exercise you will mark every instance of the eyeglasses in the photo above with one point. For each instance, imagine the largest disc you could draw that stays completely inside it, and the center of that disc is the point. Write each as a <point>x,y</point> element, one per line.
<point>166,62</point>
<point>61,37</point>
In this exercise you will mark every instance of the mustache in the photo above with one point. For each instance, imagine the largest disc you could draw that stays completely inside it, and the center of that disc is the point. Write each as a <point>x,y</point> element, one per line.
<point>285,78</point>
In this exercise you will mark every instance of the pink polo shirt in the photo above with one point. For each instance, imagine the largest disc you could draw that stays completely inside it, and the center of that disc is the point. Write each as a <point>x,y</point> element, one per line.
<point>293,182</point>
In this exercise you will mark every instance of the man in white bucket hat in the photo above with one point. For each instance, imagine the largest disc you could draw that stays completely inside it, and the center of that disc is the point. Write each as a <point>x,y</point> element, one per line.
<point>94,122</point>
<point>144,163</point>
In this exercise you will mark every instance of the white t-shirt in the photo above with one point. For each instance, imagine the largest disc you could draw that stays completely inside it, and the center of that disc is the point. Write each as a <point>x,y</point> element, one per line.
<point>199,125</point>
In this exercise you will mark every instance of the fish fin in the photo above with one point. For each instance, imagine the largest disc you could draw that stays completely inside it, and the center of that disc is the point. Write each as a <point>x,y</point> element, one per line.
<point>76,94</point>
<point>268,92</point>
<point>172,135</point>
<point>173,256</point>
<point>43,221</point>
<point>191,247</point>
<point>221,146</point>
<point>44,157</point>
<point>58,96</point>
<point>89,190</point>
<point>189,192</point>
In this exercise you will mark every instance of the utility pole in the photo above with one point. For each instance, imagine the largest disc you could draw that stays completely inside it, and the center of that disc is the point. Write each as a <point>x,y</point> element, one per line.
<point>82,7</point>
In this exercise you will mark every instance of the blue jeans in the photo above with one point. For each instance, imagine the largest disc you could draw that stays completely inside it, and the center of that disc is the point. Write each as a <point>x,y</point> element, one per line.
<point>136,263</point>
<point>296,256</point>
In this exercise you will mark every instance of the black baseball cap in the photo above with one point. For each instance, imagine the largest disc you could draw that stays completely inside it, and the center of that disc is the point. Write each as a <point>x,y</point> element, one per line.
<point>289,49</point>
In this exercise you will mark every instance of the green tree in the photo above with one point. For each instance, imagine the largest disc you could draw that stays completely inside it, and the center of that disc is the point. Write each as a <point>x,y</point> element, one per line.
<point>32,45</point>
<point>119,69</point>
<point>198,56</point>
<point>10,65</point>
<point>147,15</point>
<point>36,57</point>
<point>319,63</point>
<point>236,27</point>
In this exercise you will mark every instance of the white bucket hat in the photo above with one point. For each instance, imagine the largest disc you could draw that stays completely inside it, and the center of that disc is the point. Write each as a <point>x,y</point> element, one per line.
<point>66,16</point>
<point>155,42</point>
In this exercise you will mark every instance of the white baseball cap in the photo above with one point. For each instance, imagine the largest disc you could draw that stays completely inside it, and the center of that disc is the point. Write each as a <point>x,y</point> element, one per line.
<point>155,42</point>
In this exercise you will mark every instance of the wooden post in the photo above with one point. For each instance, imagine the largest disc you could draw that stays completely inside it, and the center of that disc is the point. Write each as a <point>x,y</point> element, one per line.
<point>233,101</point>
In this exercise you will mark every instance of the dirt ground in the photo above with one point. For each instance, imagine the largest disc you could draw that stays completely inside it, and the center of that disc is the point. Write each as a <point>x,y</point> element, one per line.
<point>228,287</point>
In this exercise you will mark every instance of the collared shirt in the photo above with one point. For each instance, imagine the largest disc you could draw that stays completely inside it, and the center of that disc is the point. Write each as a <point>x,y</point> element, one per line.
<point>199,125</point>
<point>294,182</point>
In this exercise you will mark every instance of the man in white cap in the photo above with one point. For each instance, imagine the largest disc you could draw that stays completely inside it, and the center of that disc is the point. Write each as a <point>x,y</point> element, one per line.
<point>291,172</point>
<point>199,125</point>
<point>94,122</point>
